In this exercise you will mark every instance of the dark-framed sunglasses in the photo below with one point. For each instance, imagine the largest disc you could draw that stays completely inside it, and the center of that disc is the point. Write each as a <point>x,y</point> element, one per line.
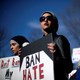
<point>42,18</point>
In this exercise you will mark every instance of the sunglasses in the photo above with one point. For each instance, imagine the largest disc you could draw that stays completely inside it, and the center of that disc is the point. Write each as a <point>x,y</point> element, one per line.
<point>47,18</point>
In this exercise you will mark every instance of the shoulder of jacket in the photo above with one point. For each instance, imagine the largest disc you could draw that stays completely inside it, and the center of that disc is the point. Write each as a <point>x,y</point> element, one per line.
<point>62,38</point>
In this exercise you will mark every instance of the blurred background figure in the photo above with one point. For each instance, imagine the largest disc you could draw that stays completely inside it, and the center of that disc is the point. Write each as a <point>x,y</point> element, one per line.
<point>16,43</point>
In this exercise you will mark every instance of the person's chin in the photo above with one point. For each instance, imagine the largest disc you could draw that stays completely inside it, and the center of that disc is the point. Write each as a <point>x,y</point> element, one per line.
<point>45,28</point>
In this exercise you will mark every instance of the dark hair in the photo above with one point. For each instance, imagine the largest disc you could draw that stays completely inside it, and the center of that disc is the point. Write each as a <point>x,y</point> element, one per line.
<point>54,19</point>
<point>20,40</point>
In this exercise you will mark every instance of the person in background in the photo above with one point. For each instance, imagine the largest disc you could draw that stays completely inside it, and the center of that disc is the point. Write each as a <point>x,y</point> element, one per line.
<point>60,47</point>
<point>16,43</point>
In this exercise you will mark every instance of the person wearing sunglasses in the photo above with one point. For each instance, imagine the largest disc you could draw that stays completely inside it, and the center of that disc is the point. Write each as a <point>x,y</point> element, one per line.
<point>16,43</point>
<point>60,47</point>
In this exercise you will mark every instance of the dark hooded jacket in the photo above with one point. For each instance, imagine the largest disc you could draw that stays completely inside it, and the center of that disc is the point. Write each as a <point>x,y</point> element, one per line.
<point>62,58</point>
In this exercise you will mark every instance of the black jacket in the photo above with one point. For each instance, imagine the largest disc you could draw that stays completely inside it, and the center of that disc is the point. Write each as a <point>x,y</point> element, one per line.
<point>62,58</point>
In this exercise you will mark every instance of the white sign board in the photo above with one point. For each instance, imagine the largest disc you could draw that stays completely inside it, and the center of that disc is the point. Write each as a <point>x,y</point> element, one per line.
<point>76,55</point>
<point>9,68</point>
<point>37,66</point>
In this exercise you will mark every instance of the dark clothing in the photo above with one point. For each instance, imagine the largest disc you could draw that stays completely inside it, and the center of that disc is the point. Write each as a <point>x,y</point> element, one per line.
<point>62,58</point>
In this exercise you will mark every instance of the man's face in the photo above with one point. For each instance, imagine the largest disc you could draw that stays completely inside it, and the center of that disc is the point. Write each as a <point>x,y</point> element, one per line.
<point>46,21</point>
